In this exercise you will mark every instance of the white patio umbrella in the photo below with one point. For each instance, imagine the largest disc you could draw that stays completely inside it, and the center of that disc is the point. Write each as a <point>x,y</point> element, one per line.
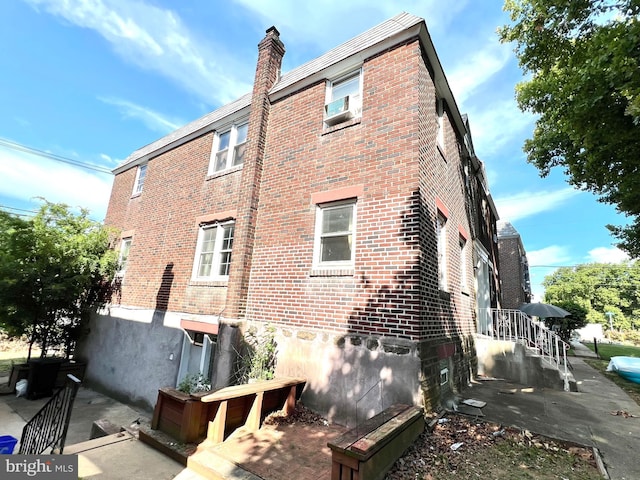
<point>543,310</point>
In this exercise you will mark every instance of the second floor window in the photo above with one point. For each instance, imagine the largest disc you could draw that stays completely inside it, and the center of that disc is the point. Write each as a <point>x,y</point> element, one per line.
<point>213,253</point>
<point>140,176</point>
<point>440,120</point>
<point>229,148</point>
<point>441,233</point>
<point>343,98</point>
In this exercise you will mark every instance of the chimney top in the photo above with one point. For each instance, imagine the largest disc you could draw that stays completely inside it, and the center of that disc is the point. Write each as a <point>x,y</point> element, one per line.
<point>274,30</point>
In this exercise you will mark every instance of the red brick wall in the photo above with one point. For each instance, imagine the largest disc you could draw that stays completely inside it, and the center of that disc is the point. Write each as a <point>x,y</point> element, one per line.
<point>390,153</point>
<point>511,273</point>
<point>163,219</point>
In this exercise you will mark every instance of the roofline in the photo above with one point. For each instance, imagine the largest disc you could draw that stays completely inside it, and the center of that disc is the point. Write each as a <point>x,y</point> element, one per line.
<point>411,26</point>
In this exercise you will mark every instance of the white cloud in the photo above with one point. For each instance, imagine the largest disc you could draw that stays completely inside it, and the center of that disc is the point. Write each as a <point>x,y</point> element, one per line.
<point>108,159</point>
<point>607,255</point>
<point>25,177</point>
<point>341,20</point>
<point>474,70</point>
<point>156,39</point>
<point>549,256</point>
<point>526,204</point>
<point>542,262</point>
<point>153,120</point>
<point>497,124</point>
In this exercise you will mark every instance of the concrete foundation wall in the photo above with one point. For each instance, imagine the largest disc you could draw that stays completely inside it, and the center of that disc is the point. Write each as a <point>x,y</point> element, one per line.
<point>510,361</point>
<point>130,354</point>
<point>350,378</point>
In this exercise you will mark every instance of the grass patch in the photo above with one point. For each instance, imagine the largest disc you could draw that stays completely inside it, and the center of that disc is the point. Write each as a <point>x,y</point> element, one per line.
<point>608,350</point>
<point>7,359</point>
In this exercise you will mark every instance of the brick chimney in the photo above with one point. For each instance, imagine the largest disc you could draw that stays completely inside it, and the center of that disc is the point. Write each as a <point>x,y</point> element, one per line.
<point>270,53</point>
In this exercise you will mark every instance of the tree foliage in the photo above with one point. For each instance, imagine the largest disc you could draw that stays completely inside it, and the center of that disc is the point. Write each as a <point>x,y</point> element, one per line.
<point>577,319</point>
<point>599,288</point>
<point>55,270</point>
<point>582,58</point>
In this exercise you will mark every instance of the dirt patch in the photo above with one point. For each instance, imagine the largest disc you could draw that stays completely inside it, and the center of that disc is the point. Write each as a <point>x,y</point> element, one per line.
<point>464,447</point>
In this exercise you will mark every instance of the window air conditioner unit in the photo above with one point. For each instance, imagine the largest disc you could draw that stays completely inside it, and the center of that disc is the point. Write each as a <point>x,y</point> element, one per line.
<point>337,111</point>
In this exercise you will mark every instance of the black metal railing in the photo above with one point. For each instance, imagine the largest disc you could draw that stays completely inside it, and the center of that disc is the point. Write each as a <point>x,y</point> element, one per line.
<point>48,428</point>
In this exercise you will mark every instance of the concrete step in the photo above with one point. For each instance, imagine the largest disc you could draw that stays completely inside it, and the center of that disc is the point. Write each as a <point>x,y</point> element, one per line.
<point>214,467</point>
<point>188,474</point>
<point>517,363</point>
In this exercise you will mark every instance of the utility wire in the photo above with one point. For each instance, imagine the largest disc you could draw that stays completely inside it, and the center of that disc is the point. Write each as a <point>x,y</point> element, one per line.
<point>18,209</point>
<point>51,156</point>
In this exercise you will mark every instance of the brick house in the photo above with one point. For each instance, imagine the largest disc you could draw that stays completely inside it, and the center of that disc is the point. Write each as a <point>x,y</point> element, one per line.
<point>341,203</point>
<point>514,267</point>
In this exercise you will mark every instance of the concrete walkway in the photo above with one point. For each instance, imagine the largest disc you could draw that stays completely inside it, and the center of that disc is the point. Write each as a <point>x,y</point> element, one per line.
<point>113,458</point>
<point>597,415</point>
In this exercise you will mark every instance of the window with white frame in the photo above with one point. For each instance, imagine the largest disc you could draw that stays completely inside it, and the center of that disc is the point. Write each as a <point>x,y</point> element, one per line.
<point>442,251</point>
<point>125,246</point>
<point>229,148</point>
<point>440,119</point>
<point>213,252</point>
<point>463,264</point>
<point>343,98</point>
<point>141,173</point>
<point>334,236</point>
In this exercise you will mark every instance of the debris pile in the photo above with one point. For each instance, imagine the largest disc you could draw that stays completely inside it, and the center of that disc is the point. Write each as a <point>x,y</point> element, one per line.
<point>458,440</point>
<point>301,414</point>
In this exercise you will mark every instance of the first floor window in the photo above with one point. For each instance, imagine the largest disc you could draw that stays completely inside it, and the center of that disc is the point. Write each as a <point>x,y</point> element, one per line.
<point>213,254</point>
<point>125,246</point>
<point>441,232</point>
<point>335,230</point>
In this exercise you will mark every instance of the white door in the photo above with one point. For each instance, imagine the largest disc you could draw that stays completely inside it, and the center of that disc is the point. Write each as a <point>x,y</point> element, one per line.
<point>483,291</point>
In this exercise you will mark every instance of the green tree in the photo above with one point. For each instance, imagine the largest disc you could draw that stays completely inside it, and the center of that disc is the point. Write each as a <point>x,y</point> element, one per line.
<point>577,319</point>
<point>582,59</point>
<point>55,270</point>
<point>599,288</point>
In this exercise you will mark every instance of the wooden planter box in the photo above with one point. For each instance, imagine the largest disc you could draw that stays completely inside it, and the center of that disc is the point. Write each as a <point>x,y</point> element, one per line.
<point>190,418</point>
<point>181,415</point>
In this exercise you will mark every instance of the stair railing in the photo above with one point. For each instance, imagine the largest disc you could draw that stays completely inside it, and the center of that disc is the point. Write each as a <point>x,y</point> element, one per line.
<point>48,428</point>
<point>516,326</point>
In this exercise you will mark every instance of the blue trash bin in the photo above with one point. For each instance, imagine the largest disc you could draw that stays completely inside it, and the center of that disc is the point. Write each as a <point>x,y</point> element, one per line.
<point>7,444</point>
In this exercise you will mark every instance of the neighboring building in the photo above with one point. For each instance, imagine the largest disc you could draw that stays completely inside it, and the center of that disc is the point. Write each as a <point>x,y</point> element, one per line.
<point>341,203</point>
<point>514,267</point>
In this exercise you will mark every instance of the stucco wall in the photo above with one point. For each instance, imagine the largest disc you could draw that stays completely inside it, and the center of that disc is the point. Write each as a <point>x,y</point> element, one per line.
<point>131,354</point>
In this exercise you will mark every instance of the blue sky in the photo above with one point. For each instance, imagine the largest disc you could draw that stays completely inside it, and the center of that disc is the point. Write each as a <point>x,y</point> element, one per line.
<point>93,80</point>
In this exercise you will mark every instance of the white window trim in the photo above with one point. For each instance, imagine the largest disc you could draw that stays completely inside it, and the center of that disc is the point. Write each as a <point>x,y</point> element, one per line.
<point>137,185</point>
<point>123,268</point>
<point>317,264</point>
<point>464,282</point>
<point>217,249</point>
<point>440,113</point>
<point>443,280</point>
<point>355,101</point>
<point>233,137</point>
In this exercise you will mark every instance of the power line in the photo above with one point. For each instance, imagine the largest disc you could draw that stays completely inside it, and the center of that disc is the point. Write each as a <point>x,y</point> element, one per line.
<point>585,265</point>
<point>52,156</point>
<point>18,209</point>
